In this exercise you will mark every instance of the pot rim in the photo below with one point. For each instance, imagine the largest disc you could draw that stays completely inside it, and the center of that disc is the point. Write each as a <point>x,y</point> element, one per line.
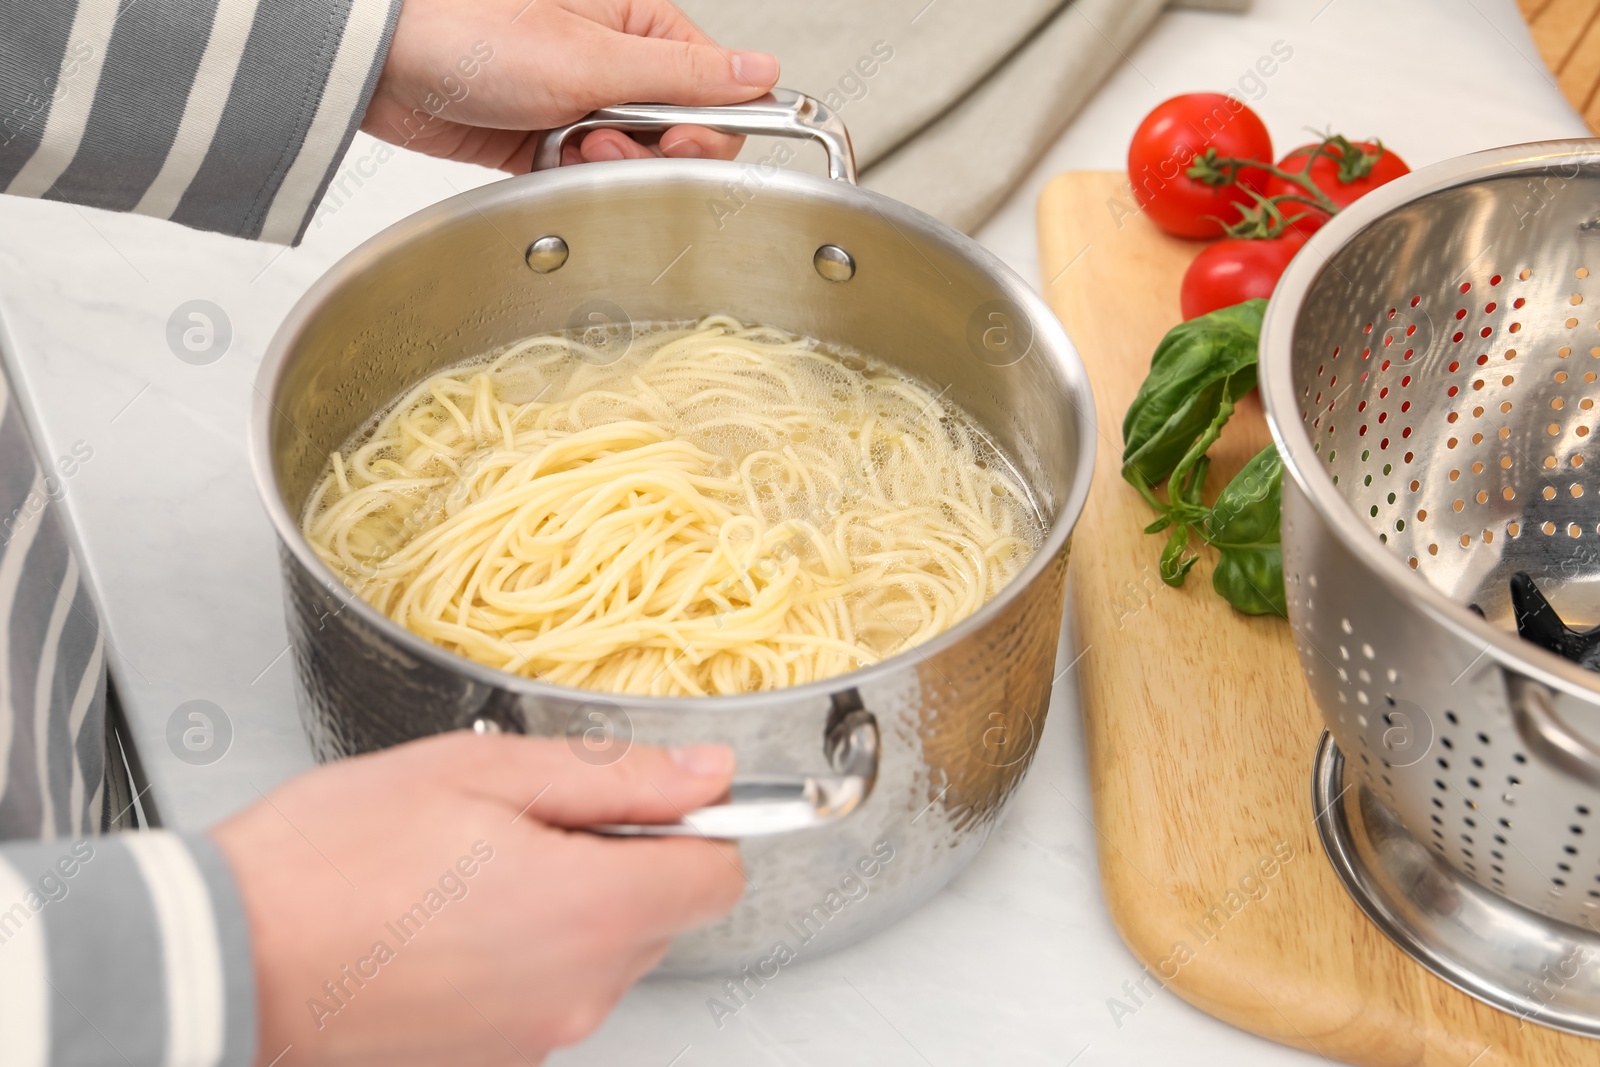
<point>1294,443</point>
<point>1049,336</point>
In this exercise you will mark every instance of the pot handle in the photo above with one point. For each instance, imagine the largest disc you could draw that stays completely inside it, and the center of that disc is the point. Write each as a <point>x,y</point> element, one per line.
<point>1541,729</point>
<point>764,804</point>
<point>760,805</point>
<point>782,112</point>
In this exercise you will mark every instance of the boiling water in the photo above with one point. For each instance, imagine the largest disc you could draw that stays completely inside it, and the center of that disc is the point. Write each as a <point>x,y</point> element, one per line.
<point>808,435</point>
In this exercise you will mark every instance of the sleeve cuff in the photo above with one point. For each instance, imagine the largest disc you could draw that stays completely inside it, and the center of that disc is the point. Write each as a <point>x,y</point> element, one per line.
<point>128,948</point>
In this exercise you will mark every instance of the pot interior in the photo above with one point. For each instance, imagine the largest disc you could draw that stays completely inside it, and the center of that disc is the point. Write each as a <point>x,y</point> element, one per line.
<point>671,240</point>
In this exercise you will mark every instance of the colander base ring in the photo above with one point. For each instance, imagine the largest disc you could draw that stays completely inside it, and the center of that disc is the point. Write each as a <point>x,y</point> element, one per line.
<point>1525,964</point>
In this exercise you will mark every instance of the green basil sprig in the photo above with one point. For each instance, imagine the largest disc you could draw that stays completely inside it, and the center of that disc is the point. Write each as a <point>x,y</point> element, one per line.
<point>1198,373</point>
<point>1243,528</point>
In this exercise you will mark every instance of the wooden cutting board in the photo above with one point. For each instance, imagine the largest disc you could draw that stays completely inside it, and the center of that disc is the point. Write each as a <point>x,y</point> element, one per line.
<point>1201,732</point>
<point>1567,34</point>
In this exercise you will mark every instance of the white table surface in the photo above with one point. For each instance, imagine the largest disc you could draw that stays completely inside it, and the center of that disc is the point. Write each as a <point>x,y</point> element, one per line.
<point>1015,961</point>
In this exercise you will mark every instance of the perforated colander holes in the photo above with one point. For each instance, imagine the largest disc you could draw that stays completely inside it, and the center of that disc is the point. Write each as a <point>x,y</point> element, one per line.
<point>1361,668</point>
<point>1385,415</point>
<point>1469,764</point>
<point>1506,462</point>
<point>1395,732</point>
<point>1577,829</point>
<point>1297,594</point>
<point>1580,828</point>
<point>1479,778</point>
<point>1388,410</point>
<point>1554,428</point>
<point>1513,528</point>
<point>1379,412</point>
<point>1397,343</point>
<point>1359,673</point>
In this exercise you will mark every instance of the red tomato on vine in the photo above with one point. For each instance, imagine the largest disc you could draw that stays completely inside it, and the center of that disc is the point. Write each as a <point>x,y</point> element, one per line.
<point>1167,142</point>
<point>1344,170</point>
<point>1230,272</point>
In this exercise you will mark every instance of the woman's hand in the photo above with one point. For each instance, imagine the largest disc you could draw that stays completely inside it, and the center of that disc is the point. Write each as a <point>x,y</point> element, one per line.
<point>428,904</point>
<point>480,80</point>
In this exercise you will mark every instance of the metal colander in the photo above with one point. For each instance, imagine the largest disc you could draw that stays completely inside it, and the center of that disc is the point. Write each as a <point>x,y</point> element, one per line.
<point>1431,369</point>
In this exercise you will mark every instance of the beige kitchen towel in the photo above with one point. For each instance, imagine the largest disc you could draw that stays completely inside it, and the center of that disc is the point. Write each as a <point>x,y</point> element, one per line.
<point>949,102</point>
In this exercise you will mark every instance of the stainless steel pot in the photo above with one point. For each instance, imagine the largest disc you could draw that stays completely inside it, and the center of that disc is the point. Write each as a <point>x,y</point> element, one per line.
<point>900,769</point>
<point>1429,368</point>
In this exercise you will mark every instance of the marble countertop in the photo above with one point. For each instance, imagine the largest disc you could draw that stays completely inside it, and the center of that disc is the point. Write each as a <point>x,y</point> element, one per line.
<point>1016,961</point>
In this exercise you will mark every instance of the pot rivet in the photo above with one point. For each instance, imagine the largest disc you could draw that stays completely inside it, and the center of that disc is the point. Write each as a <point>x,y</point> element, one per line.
<point>489,726</point>
<point>547,254</point>
<point>834,263</point>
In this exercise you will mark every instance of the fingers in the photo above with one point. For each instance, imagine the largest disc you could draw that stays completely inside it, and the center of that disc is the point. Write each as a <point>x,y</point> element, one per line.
<point>679,142</point>
<point>697,142</point>
<point>661,19</point>
<point>645,785</point>
<point>656,18</point>
<point>644,962</point>
<point>545,779</point>
<point>606,146</point>
<point>629,69</point>
<point>666,885</point>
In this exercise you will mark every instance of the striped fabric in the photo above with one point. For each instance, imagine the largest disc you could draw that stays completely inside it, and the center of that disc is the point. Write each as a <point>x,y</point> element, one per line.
<point>130,948</point>
<point>52,681</point>
<point>227,115</point>
<point>126,949</point>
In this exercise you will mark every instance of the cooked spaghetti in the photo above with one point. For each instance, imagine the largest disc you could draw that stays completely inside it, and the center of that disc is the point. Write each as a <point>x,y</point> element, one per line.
<point>722,509</point>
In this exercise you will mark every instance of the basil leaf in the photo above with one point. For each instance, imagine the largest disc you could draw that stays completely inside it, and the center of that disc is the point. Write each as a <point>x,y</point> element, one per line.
<point>1251,579</point>
<point>1175,565</point>
<point>1200,368</point>
<point>1244,528</point>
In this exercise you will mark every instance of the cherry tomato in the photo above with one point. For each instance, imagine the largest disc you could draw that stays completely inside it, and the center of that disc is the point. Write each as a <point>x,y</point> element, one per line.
<point>1375,164</point>
<point>1166,143</point>
<point>1235,270</point>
